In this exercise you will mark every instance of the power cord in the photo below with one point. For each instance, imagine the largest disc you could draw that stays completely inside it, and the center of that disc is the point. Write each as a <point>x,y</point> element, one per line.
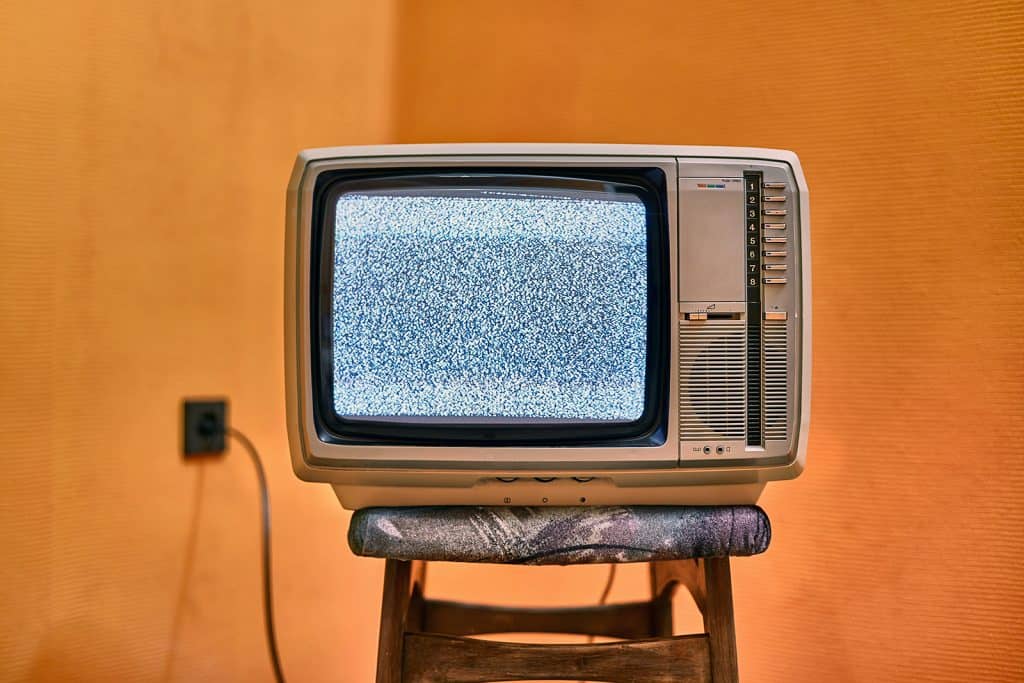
<point>268,600</point>
<point>607,590</point>
<point>608,584</point>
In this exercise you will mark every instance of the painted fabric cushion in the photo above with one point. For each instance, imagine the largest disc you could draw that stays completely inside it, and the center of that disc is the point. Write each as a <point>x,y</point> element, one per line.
<point>559,535</point>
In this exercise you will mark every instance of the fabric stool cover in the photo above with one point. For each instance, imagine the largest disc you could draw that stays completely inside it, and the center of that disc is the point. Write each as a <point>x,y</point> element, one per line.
<point>559,535</point>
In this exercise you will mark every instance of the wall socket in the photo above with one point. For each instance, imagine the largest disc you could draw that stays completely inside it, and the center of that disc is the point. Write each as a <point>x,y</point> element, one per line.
<point>204,426</point>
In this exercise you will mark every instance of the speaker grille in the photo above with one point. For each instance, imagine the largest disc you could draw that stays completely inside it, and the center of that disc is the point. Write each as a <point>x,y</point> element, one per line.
<point>775,373</point>
<point>712,380</point>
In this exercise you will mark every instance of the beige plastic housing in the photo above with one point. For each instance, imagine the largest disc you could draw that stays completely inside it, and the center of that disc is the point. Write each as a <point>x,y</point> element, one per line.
<point>695,466</point>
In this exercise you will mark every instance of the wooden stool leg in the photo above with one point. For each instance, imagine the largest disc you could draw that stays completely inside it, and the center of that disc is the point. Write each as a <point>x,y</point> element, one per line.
<point>403,586</point>
<point>710,584</point>
<point>719,621</point>
<point>663,589</point>
<point>394,604</point>
<point>665,578</point>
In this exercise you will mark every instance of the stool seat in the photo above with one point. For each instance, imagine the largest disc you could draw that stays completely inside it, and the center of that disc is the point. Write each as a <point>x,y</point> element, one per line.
<point>559,535</point>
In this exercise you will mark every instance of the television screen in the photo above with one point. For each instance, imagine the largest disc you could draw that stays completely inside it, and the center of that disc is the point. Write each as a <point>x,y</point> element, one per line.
<point>491,299</point>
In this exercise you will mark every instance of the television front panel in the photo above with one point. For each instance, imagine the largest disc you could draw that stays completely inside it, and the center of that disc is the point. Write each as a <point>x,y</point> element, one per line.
<point>547,324</point>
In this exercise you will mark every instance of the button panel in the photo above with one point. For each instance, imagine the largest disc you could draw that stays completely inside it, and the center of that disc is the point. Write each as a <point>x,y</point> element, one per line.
<point>775,284</point>
<point>753,191</point>
<point>765,206</point>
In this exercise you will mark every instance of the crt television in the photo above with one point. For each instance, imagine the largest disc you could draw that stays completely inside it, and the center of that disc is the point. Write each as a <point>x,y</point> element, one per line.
<point>547,324</point>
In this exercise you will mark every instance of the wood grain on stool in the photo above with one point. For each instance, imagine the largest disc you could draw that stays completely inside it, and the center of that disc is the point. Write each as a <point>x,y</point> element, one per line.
<point>401,579</point>
<point>431,658</point>
<point>423,640</point>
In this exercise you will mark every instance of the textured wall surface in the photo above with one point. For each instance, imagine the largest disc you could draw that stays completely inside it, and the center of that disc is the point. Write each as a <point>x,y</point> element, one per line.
<point>897,554</point>
<point>145,153</point>
<point>132,273</point>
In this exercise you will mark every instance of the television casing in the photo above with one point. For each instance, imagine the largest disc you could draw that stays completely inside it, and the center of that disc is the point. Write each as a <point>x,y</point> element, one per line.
<point>681,470</point>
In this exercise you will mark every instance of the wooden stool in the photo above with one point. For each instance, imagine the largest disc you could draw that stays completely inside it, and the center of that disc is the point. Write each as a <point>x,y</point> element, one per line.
<point>425,641</point>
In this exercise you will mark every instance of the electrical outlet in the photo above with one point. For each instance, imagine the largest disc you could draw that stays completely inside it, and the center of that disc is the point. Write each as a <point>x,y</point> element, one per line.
<point>204,423</point>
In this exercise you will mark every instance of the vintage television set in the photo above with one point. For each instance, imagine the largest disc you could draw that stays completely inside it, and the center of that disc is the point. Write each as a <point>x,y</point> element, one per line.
<point>547,324</point>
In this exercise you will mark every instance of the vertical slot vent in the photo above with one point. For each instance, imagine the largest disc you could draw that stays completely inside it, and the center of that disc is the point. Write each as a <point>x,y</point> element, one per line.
<point>775,372</point>
<point>753,379</point>
<point>712,380</point>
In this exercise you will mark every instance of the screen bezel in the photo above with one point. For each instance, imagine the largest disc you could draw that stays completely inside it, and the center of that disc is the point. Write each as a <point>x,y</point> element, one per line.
<point>649,184</point>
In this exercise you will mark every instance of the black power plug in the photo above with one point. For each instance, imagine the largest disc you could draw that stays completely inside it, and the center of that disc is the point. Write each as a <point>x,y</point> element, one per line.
<point>204,426</point>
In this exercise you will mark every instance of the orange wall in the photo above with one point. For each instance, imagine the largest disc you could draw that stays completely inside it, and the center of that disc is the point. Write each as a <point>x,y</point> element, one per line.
<point>131,274</point>
<point>897,555</point>
<point>144,153</point>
